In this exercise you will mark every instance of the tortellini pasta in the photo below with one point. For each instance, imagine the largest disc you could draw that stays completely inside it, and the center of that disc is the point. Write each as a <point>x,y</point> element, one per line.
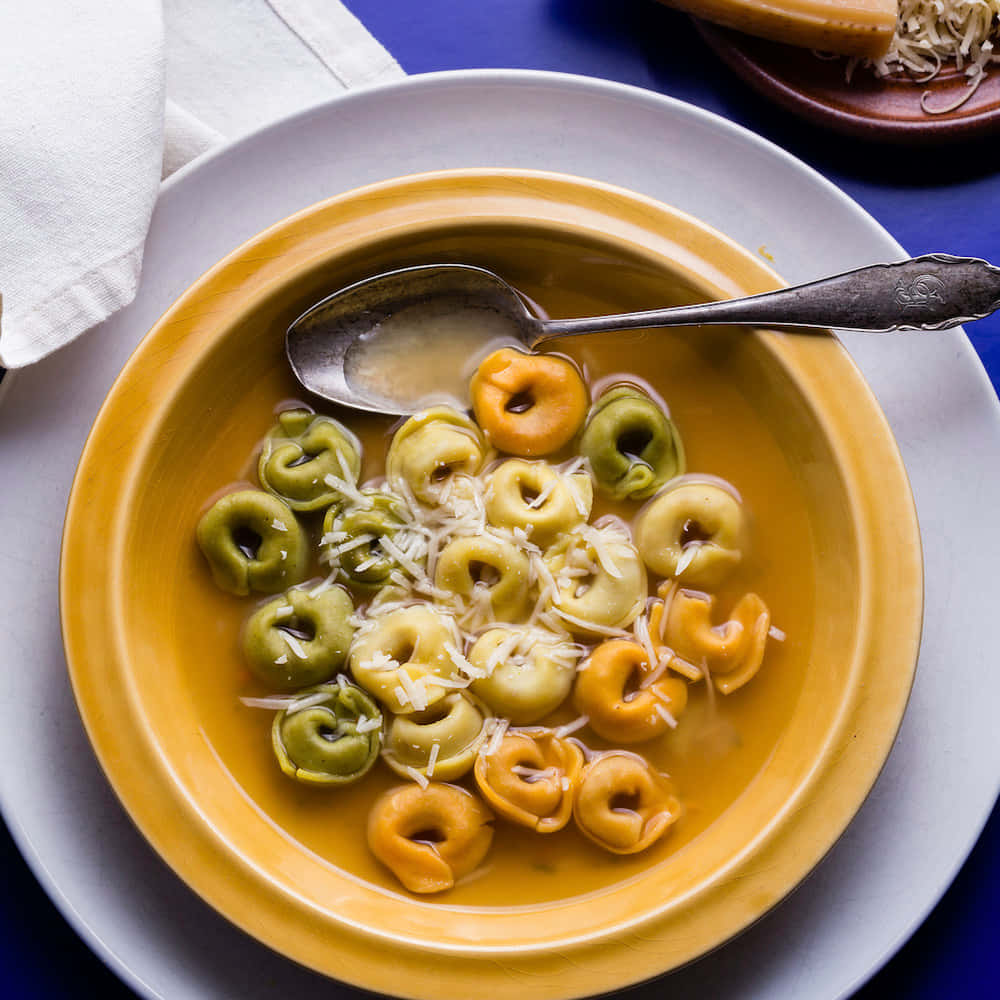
<point>253,542</point>
<point>694,531</point>
<point>528,404</point>
<point>624,700</point>
<point>538,498</point>
<point>354,539</point>
<point>733,650</point>
<point>531,779</point>
<point>440,742</point>
<point>430,837</point>
<point>303,456</point>
<point>631,444</point>
<point>600,580</point>
<point>333,740</point>
<point>623,804</point>
<point>299,638</point>
<point>433,449</point>
<point>493,564</point>
<point>527,675</point>
<point>399,656</point>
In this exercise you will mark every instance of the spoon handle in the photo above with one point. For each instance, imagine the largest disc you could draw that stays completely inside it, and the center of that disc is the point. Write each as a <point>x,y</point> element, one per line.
<point>934,292</point>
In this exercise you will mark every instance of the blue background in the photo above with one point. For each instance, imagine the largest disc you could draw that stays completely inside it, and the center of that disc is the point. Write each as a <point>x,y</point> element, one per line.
<point>944,199</point>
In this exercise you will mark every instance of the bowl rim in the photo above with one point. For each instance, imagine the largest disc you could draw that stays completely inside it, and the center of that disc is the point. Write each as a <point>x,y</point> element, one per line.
<point>403,205</point>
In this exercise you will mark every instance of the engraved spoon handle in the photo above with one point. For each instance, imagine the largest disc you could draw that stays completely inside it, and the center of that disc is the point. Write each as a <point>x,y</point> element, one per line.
<point>933,292</point>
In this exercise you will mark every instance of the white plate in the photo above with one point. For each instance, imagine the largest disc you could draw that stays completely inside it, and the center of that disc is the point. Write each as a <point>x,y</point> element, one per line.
<point>935,793</point>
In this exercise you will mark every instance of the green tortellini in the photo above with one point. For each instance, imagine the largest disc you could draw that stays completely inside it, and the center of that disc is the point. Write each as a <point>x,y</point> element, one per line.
<point>486,561</point>
<point>631,444</point>
<point>333,742</point>
<point>253,542</point>
<point>298,639</point>
<point>432,448</point>
<point>694,531</point>
<point>456,725</point>
<point>368,564</point>
<point>528,676</point>
<point>534,496</point>
<point>600,580</point>
<point>413,641</point>
<point>300,452</point>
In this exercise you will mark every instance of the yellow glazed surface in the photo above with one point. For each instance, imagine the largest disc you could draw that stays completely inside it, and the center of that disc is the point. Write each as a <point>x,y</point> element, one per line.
<point>152,646</point>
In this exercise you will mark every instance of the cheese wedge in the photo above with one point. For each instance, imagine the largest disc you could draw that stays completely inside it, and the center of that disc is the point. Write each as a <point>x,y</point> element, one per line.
<point>848,27</point>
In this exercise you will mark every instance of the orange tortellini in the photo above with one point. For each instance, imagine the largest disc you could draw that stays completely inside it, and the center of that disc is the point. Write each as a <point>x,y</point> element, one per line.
<point>622,696</point>
<point>531,779</point>
<point>623,804</point>
<point>731,650</point>
<point>528,404</point>
<point>429,837</point>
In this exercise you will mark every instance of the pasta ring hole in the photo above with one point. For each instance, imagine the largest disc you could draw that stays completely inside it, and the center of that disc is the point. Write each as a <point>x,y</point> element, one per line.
<point>529,494</point>
<point>693,533</point>
<point>625,801</point>
<point>483,572</point>
<point>520,402</point>
<point>299,629</point>
<point>633,685</point>
<point>634,441</point>
<point>303,459</point>
<point>247,540</point>
<point>403,652</point>
<point>441,473</point>
<point>433,714</point>
<point>430,836</point>
<point>330,733</point>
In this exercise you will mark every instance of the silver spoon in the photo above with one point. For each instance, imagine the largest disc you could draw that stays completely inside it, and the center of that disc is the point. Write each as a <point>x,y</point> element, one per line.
<point>402,340</point>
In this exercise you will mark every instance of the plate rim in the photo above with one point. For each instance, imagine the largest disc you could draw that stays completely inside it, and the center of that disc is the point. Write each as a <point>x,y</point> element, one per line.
<point>863,228</point>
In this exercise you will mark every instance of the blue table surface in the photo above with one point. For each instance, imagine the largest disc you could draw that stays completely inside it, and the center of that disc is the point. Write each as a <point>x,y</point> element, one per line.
<point>943,199</point>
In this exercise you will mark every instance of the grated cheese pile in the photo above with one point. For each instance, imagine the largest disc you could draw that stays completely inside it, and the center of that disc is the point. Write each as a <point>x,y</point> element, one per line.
<point>931,33</point>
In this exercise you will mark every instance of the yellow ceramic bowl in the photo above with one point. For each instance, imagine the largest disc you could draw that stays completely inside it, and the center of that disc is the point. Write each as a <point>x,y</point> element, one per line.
<point>153,648</point>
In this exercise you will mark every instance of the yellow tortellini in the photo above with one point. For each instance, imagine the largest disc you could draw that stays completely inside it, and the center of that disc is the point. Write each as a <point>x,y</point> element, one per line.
<point>527,675</point>
<point>398,657</point>
<point>431,450</point>
<point>694,531</point>
<point>440,742</point>
<point>493,564</point>
<point>600,580</point>
<point>253,543</point>
<point>539,498</point>
<point>302,456</point>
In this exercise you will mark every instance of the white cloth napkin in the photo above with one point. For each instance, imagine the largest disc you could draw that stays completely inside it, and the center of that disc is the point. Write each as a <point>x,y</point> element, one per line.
<point>102,98</point>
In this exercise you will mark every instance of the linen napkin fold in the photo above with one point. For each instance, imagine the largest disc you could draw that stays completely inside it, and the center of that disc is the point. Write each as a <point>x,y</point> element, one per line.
<point>102,98</point>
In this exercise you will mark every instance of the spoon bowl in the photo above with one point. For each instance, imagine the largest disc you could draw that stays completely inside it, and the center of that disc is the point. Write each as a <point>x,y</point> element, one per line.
<point>369,345</point>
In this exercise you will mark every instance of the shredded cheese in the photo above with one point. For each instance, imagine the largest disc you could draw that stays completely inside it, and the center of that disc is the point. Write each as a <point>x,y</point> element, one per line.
<point>931,33</point>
